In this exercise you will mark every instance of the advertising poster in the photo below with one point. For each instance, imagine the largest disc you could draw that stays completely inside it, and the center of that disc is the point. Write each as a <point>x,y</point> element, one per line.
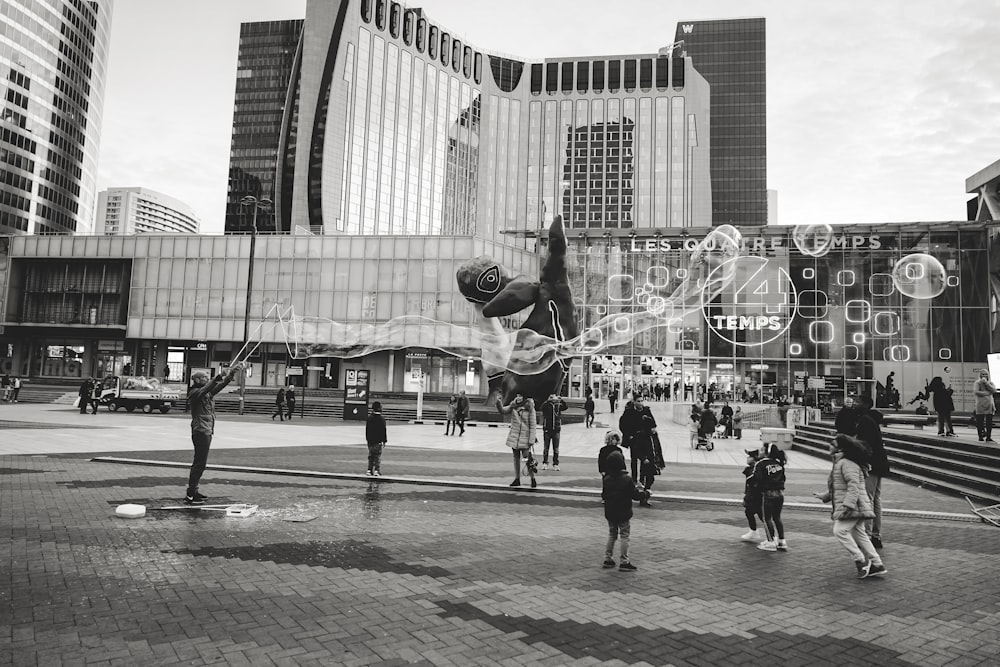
<point>356,394</point>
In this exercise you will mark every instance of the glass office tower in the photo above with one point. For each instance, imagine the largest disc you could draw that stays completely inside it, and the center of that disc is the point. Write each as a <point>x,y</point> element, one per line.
<point>730,54</point>
<point>264,67</point>
<point>53,61</point>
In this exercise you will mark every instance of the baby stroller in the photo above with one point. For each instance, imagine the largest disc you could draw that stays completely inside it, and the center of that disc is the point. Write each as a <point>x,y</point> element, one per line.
<point>706,440</point>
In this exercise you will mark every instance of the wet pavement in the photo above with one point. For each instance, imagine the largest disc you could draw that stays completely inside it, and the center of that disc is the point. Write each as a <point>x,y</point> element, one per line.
<point>439,563</point>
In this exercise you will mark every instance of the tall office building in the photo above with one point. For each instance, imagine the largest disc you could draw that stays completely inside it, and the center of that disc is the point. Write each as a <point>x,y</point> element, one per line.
<point>730,54</point>
<point>266,57</point>
<point>142,211</point>
<point>393,126</point>
<point>53,61</point>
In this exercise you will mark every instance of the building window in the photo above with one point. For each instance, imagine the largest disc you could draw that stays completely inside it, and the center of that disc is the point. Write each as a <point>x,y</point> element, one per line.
<point>551,77</point>
<point>380,14</point>
<point>421,34</point>
<point>467,62</point>
<point>456,55</point>
<point>445,48</point>
<point>614,75</point>
<point>629,76</point>
<point>536,78</point>
<point>646,73</point>
<point>567,78</point>
<point>408,27</point>
<point>394,20</point>
<point>582,76</point>
<point>663,72</point>
<point>366,10</point>
<point>432,42</point>
<point>478,69</point>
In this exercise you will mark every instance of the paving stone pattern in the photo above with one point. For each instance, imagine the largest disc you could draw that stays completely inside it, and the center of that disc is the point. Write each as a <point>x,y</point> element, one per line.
<point>392,574</point>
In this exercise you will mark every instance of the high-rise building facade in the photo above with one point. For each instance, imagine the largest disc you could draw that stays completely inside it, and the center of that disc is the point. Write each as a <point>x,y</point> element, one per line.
<point>53,68</point>
<point>730,54</point>
<point>142,211</point>
<point>266,58</point>
<point>394,126</point>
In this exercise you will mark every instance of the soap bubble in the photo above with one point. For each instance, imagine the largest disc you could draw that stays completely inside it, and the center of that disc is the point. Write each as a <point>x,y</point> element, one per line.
<point>919,276</point>
<point>814,240</point>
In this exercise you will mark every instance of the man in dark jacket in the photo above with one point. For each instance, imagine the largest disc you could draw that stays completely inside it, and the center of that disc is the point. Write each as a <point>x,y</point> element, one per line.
<point>552,410</point>
<point>461,413</point>
<point>846,421</point>
<point>618,491</point>
<point>201,401</point>
<point>870,432</point>
<point>638,426</point>
<point>86,389</point>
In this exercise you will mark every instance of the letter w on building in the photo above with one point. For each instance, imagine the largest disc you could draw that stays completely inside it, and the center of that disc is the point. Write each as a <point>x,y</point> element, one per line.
<point>688,28</point>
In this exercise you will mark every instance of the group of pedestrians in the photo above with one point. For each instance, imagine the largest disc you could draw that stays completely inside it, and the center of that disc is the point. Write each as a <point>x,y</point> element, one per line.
<point>284,403</point>
<point>89,395</point>
<point>11,387</point>
<point>854,487</point>
<point>456,412</point>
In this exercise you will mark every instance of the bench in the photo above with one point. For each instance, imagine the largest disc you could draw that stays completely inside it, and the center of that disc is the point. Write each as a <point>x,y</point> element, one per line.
<point>917,421</point>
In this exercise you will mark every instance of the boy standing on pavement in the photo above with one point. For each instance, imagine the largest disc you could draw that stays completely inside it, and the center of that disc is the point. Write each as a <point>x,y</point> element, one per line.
<point>201,401</point>
<point>618,491</point>
<point>375,436</point>
<point>552,410</point>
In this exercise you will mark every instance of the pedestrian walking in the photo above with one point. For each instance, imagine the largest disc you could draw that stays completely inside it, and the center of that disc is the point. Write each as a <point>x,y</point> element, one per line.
<point>870,433</point>
<point>552,409</point>
<point>450,411</point>
<point>15,388</point>
<point>377,439</point>
<point>943,405</point>
<point>618,491</point>
<point>279,404</point>
<point>846,421</point>
<point>201,401</point>
<point>727,419</point>
<point>985,407</point>
<point>613,398</point>
<point>851,505</point>
<point>86,389</point>
<point>290,401</point>
<point>462,412</point>
<point>769,478</point>
<point>588,409</point>
<point>95,394</point>
<point>522,435</point>
<point>753,500</point>
<point>638,427</point>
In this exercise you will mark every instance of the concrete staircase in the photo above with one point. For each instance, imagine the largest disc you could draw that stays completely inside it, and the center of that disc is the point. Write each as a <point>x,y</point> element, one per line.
<point>957,467</point>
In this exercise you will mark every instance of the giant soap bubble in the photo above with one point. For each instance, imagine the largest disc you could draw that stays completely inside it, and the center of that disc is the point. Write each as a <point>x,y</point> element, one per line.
<point>919,276</point>
<point>814,240</point>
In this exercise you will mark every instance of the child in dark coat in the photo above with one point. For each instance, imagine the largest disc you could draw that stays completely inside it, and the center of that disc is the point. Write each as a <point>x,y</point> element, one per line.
<point>618,492</point>
<point>752,499</point>
<point>612,440</point>
<point>376,436</point>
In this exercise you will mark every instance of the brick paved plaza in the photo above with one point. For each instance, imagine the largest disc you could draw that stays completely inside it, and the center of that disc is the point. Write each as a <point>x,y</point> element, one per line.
<point>339,570</point>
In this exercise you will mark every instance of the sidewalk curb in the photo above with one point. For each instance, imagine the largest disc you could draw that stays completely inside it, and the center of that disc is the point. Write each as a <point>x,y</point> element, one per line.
<point>552,490</point>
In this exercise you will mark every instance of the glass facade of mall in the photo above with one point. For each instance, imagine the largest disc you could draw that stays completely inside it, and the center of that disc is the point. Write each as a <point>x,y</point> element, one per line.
<point>863,317</point>
<point>141,304</point>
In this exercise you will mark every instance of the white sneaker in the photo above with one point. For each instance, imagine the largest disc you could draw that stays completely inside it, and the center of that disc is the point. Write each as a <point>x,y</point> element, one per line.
<point>555,468</point>
<point>751,536</point>
<point>368,472</point>
<point>782,545</point>
<point>376,473</point>
<point>545,466</point>
<point>768,545</point>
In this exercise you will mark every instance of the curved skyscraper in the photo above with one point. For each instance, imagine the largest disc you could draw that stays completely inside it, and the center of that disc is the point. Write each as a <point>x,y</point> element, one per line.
<point>53,61</point>
<point>395,126</point>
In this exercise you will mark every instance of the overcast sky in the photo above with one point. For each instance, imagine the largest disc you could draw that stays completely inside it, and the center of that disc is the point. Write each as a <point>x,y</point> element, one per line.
<point>877,110</point>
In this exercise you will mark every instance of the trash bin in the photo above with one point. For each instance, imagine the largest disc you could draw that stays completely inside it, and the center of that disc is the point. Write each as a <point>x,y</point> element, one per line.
<point>782,437</point>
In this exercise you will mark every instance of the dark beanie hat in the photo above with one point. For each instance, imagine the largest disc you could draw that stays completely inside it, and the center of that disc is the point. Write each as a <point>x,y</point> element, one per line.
<point>376,407</point>
<point>616,461</point>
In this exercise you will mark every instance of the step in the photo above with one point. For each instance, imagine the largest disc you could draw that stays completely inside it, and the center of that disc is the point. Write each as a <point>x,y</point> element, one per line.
<point>920,470</point>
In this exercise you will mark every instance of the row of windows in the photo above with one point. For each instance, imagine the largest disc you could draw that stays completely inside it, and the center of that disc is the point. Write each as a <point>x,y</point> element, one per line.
<point>10,220</point>
<point>438,44</point>
<point>17,98</point>
<point>599,74</point>
<point>8,198</point>
<point>18,140</point>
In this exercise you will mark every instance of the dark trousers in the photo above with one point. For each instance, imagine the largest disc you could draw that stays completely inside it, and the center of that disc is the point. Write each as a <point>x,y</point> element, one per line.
<point>984,424</point>
<point>944,423</point>
<point>461,425</point>
<point>84,402</point>
<point>202,443</point>
<point>589,419</point>
<point>772,517</point>
<point>279,411</point>
<point>291,409</point>
<point>550,437</point>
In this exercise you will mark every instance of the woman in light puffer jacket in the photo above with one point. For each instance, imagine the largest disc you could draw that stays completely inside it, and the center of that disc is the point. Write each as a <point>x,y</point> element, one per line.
<point>851,504</point>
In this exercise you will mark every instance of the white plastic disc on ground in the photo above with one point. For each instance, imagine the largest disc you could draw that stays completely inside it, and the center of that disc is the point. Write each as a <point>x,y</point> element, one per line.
<point>130,511</point>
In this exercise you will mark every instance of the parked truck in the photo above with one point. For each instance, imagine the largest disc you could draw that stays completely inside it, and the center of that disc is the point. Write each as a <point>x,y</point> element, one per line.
<point>131,392</point>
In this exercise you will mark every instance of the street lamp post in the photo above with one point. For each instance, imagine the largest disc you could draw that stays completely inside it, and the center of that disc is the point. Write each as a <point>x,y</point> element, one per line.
<point>257,204</point>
